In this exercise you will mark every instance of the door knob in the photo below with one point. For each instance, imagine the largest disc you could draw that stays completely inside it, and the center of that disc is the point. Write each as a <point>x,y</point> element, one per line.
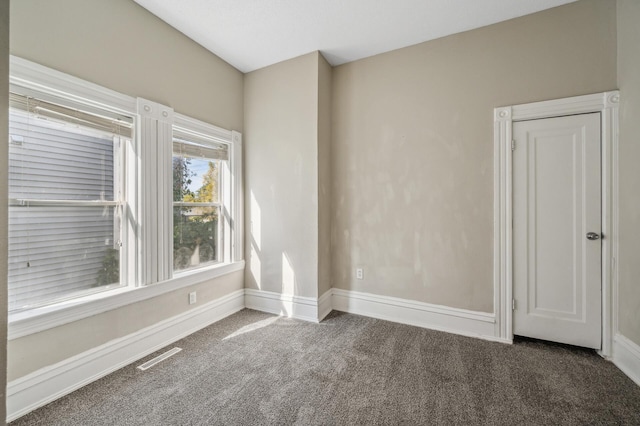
<point>592,236</point>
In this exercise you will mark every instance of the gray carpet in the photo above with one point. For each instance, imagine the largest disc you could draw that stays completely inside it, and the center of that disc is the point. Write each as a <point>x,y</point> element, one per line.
<point>254,368</point>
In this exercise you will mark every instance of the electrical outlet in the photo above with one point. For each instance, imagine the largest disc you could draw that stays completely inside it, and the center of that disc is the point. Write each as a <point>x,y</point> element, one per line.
<point>192,297</point>
<point>359,273</point>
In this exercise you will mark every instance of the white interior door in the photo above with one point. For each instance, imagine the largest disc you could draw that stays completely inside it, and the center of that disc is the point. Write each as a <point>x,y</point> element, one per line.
<point>556,229</point>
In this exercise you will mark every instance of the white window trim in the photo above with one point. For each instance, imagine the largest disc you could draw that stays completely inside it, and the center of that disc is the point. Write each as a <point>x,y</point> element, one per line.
<point>35,320</point>
<point>155,146</point>
<point>232,202</point>
<point>46,80</point>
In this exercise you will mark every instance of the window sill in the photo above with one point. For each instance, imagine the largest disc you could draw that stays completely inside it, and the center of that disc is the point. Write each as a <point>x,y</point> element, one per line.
<point>35,320</point>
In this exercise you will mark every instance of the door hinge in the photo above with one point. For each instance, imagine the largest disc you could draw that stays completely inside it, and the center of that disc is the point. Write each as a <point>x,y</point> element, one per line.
<point>513,145</point>
<point>513,304</point>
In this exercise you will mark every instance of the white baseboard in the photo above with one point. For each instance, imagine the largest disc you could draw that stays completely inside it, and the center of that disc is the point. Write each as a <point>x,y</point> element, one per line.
<point>304,308</point>
<point>626,356</point>
<point>50,383</point>
<point>324,305</point>
<point>436,317</point>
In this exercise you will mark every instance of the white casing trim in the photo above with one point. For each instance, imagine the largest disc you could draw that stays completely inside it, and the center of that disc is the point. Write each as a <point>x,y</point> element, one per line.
<point>154,110</point>
<point>155,133</point>
<point>50,383</point>
<point>237,197</point>
<point>565,106</point>
<point>607,104</point>
<point>47,80</point>
<point>207,130</point>
<point>626,356</point>
<point>303,308</point>
<point>436,317</point>
<point>40,319</point>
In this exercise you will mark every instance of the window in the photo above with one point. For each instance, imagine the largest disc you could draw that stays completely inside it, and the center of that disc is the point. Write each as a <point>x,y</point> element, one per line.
<point>197,186</point>
<point>65,199</point>
<point>91,210</point>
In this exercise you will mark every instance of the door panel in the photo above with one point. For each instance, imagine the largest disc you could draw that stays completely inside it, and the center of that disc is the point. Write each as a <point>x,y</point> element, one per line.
<point>556,196</point>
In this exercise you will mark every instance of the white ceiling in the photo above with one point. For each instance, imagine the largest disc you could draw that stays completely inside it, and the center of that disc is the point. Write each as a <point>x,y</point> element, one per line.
<point>251,34</point>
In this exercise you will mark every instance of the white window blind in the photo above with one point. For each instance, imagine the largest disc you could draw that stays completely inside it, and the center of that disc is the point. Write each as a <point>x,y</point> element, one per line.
<point>102,121</point>
<point>188,144</point>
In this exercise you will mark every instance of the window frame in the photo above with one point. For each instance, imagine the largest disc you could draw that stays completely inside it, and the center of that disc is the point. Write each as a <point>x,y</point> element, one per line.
<point>42,79</point>
<point>120,202</point>
<point>231,198</point>
<point>220,252</point>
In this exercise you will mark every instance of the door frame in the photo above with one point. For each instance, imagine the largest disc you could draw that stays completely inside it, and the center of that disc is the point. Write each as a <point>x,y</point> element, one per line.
<point>607,104</point>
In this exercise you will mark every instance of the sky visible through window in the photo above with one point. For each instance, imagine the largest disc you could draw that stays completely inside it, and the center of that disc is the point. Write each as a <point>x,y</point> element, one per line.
<point>199,167</point>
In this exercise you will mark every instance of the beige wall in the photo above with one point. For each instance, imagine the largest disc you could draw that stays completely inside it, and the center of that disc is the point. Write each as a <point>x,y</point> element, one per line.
<point>324,176</point>
<point>121,46</point>
<point>4,131</point>
<point>629,173</point>
<point>281,177</point>
<point>412,147</point>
